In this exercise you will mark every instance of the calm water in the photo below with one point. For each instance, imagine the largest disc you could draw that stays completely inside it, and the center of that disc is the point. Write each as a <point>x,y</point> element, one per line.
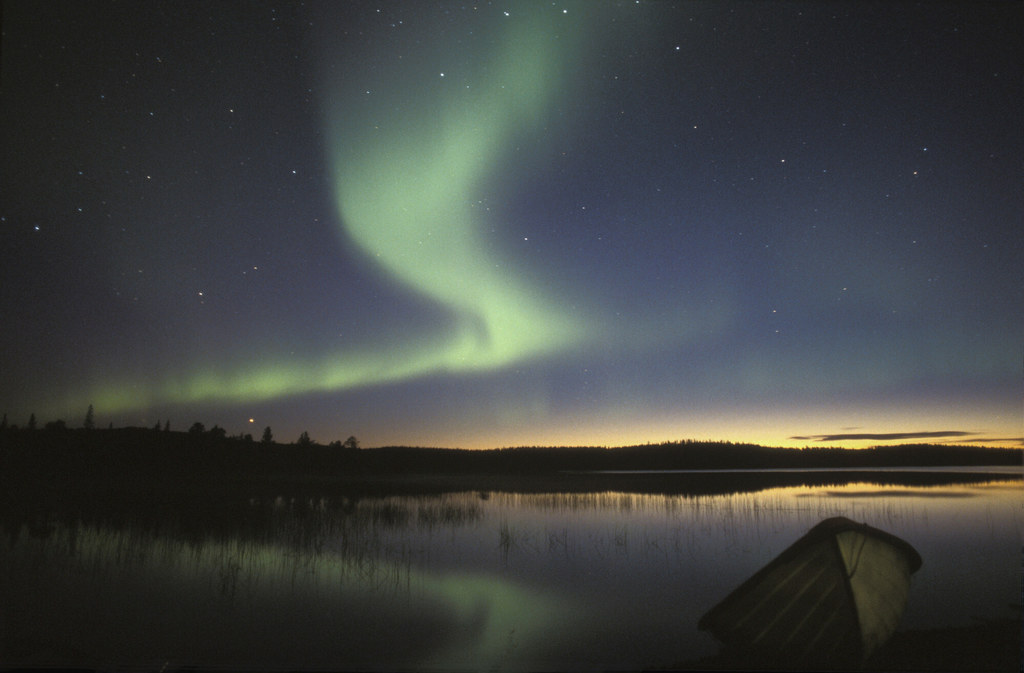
<point>469,580</point>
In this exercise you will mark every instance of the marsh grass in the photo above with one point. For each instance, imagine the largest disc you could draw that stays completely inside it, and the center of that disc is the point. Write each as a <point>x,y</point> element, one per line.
<point>514,539</point>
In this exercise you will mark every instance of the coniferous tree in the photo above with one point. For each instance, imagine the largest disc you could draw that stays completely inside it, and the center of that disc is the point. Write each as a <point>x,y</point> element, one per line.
<point>167,425</point>
<point>90,421</point>
<point>3,423</point>
<point>304,439</point>
<point>32,421</point>
<point>268,436</point>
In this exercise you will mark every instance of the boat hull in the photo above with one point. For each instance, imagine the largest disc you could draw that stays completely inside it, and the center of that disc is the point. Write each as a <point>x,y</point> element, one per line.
<point>832,598</point>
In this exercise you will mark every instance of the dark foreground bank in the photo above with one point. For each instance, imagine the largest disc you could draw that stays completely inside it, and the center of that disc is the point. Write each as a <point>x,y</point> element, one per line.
<point>987,647</point>
<point>993,645</point>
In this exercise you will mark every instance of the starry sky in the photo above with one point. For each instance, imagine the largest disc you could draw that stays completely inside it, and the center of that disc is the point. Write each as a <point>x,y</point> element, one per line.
<point>516,223</point>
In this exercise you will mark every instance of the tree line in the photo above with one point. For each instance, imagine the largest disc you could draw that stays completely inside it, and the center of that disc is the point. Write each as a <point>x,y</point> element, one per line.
<point>318,458</point>
<point>196,430</point>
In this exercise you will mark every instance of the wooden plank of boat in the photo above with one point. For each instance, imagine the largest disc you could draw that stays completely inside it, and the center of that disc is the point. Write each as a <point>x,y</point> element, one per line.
<point>833,597</point>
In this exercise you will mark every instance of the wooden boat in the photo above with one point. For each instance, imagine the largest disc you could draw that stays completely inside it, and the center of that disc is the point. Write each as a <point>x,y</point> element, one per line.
<point>832,598</point>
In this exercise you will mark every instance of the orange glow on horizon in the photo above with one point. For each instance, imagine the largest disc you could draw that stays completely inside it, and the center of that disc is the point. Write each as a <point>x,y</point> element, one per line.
<point>781,428</point>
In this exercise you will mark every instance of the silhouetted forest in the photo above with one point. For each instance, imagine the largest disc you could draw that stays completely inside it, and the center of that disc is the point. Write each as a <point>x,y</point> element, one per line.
<point>159,454</point>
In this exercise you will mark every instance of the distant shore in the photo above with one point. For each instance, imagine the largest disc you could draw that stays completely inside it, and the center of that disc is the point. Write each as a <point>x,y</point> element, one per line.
<point>149,461</point>
<point>214,448</point>
<point>157,476</point>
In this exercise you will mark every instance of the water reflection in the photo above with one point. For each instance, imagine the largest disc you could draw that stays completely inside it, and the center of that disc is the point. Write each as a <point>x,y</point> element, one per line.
<point>461,581</point>
<point>318,590</point>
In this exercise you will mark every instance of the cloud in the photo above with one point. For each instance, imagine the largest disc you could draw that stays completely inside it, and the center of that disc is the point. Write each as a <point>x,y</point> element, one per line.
<point>887,435</point>
<point>1001,440</point>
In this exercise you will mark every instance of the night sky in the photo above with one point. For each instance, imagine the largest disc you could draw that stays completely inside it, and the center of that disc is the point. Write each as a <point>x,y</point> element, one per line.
<point>516,223</point>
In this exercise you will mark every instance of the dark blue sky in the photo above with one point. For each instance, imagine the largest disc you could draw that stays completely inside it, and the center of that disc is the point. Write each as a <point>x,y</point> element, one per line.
<point>516,223</point>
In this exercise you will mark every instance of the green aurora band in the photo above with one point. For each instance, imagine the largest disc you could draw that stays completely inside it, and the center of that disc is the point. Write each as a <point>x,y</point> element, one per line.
<point>406,167</point>
<point>406,184</point>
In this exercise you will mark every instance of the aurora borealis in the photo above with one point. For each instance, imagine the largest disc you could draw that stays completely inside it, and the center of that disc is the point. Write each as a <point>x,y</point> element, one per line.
<point>517,223</point>
<point>406,182</point>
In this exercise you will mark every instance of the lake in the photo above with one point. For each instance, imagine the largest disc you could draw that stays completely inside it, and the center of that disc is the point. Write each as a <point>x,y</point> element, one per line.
<point>471,580</point>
